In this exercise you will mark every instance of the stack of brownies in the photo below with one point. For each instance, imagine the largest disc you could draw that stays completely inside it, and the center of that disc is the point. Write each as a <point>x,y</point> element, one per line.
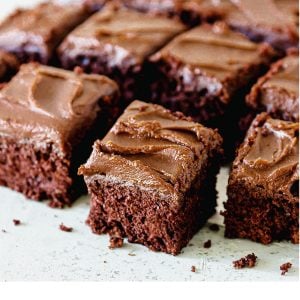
<point>207,75</point>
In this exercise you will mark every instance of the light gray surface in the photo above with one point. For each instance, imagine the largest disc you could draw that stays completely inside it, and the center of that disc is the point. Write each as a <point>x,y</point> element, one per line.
<point>38,250</point>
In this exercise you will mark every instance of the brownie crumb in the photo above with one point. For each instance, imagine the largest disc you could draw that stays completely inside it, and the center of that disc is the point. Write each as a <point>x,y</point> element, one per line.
<point>248,261</point>
<point>115,242</point>
<point>3,230</point>
<point>16,222</point>
<point>193,269</point>
<point>207,244</point>
<point>285,268</point>
<point>65,228</point>
<point>214,227</point>
<point>131,254</point>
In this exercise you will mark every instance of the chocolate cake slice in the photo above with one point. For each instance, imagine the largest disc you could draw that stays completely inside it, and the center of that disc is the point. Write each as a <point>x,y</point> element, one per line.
<point>33,34</point>
<point>8,65</point>
<point>116,42</point>
<point>47,121</point>
<point>206,73</point>
<point>263,189</point>
<point>152,178</point>
<point>272,21</point>
<point>190,12</point>
<point>278,91</point>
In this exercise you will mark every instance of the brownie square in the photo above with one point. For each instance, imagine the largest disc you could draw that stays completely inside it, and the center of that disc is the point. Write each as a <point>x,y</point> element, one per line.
<point>190,12</point>
<point>33,34</point>
<point>116,42</point>
<point>8,65</point>
<point>206,73</point>
<point>263,189</point>
<point>272,21</point>
<point>278,91</point>
<point>47,121</point>
<point>152,178</point>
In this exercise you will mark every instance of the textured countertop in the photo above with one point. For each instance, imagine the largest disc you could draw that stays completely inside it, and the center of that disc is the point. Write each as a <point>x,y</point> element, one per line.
<point>38,250</point>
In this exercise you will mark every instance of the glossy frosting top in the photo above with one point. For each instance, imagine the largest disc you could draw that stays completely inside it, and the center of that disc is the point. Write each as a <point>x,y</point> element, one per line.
<point>49,104</point>
<point>269,155</point>
<point>153,148</point>
<point>123,34</point>
<point>215,50</point>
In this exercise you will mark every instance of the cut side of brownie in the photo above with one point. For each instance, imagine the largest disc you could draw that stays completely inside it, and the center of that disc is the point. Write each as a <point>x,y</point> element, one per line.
<point>271,21</point>
<point>33,34</point>
<point>47,121</point>
<point>8,65</point>
<point>152,178</point>
<point>263,189</point>
<point>277,92</point>
<point>205,73</point>
<point>190,12</point>
<point>116,42</point>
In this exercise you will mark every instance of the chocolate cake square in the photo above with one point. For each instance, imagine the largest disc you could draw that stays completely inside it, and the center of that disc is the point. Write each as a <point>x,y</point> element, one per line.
<point>8,65</point>
<point>152,178</point>
<point>33,34</point>
<point>206,73</point>
<point>278,91</point>
<point>48,118</point>
<point>263,189</point>
<point>271,21</point>
<point>190,12</point>
<point>116,42</point>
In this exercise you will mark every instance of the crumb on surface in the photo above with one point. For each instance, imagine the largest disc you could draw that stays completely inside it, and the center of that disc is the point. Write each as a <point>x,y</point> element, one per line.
<point>115,242</point>
<point>3,230</point>
<point>248,261</point>
<point>207,244</point>
<point>16,222</point>
<point>131,254</point>
<point>214,227</point>
<point>65,228</point>
<point>284,268</point>
<point>193,269</point>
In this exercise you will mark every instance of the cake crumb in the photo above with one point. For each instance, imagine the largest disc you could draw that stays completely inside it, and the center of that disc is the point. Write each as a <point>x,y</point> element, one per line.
<point>3,230</point>
<point>193,269</point>
<point>214,227</point>
<point>16,222</point>
<point>65,228</point>
<point>248,261</point>
<point>131,254</point>
<point>115,242</point>
<point>285,268</point>
<point>207,244</point>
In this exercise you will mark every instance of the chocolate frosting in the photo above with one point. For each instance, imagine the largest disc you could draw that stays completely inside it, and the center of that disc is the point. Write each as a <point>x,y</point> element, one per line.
<point>8,63</point>
<point>223,52</point>
<point>41,28</point>
<point>278,91</point>
<point>153,148</point>
<point>269,156</point>
<point>49,104</point>
<point>127,37</point>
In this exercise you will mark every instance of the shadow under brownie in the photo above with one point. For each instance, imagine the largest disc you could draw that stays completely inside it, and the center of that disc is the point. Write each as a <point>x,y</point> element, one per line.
<point>152,178</point>
<point>33,34</point>
<point>47,118</point>
<point>263,189</point>
<point>8,66</point>
<point>116,42</point>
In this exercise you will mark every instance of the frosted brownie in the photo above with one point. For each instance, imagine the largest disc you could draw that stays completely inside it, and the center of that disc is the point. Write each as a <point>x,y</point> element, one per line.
<point>33,34</point>
<point>152,178</point>
<point>116,42</point>
<point>263,189</point>
<point>47,119</point>
<point>278,91</point>
<point>271,21</point>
